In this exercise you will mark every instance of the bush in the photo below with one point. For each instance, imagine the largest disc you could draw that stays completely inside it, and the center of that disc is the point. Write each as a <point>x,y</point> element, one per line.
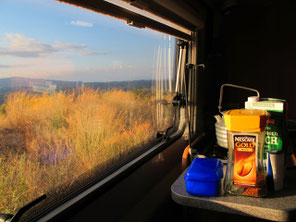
<point>65,135</point>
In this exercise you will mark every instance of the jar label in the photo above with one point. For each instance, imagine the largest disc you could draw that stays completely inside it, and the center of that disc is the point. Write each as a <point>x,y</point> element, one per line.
<point>245,159</point>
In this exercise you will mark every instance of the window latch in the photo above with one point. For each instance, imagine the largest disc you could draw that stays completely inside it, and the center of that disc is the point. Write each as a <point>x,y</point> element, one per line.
<point>136,24</point>
<point>161,134</point>
<point>164,134</point>
<point>179,100</point>
<point>199,66</point>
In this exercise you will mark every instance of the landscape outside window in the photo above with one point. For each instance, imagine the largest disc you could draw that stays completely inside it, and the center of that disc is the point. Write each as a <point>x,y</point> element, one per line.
<point>77,89</point>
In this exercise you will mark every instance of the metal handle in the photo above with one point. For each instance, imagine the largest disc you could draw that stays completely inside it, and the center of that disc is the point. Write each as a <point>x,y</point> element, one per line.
<point>235,86</point>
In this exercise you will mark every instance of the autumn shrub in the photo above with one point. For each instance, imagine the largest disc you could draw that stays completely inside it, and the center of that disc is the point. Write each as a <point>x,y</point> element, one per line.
<point>63,135</point>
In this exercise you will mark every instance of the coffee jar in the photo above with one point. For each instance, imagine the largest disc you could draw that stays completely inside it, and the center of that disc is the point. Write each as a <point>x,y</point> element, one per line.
<point>245,136</point>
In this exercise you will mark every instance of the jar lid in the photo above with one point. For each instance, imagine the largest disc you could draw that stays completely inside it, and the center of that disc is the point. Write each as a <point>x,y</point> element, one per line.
<point>253,99</point>
<point>247,120</point>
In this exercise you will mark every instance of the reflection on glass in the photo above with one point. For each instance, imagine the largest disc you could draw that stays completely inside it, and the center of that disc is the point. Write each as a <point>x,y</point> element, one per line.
<point>78,91</point>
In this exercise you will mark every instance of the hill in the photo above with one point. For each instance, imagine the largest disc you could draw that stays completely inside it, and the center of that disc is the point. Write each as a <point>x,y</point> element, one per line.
<point>23,83</point>
<point>13,84</point>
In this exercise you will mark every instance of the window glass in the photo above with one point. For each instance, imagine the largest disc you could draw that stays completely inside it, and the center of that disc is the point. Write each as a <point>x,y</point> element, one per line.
<point>78,91</point>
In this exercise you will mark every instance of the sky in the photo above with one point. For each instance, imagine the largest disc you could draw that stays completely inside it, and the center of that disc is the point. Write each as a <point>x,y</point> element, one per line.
<point>52,40</point>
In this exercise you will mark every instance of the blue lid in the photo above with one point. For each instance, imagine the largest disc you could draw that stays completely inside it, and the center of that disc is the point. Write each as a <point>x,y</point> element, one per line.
<point>205,169</point>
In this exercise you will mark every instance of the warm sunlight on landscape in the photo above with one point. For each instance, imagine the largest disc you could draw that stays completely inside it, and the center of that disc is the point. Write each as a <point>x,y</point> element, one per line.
<point>81,94</point>
<point>48,140</point>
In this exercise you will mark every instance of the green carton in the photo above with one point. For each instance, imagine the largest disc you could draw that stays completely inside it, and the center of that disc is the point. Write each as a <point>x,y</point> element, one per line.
<point>275,139</point>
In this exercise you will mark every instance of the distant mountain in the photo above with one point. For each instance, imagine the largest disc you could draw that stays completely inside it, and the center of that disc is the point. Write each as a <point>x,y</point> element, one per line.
<point>124,85</point>
<point>21,83</point>
<point>13,84</point>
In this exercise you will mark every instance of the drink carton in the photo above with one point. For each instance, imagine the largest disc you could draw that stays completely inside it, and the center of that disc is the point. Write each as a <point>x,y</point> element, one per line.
<point>276,124</point>
<point>275,137</point>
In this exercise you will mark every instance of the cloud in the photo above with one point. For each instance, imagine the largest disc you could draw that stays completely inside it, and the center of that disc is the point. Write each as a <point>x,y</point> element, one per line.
<point>4,66</point>
<point>109,73</point>
<point>17,45</point>
<point>81,23</point>
<point>40,67</point>
<point>81,49</point>
<point>14,65</point>
<point>62,68</point>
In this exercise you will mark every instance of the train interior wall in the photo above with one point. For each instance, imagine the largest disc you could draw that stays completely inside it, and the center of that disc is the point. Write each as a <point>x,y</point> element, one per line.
<point>253,44</point>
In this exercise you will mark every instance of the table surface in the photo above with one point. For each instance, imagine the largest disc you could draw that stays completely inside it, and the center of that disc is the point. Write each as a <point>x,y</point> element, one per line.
<point>278,206</point>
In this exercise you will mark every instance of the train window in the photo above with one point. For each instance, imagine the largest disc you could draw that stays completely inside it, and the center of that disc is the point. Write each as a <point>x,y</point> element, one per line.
<point>80,94</point>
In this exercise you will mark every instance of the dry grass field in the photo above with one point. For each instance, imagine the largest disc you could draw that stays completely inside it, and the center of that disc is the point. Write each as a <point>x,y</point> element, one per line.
<point>47,140</point>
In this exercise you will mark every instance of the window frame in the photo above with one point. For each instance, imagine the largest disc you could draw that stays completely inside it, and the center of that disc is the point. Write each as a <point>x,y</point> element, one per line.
<point>134,17</point>
<point>107,181</point>
<point>112,176</point>
<point>132,164</point>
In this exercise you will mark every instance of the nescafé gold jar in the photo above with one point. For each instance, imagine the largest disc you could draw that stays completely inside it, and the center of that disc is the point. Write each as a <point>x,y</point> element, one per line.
<point>245,136</point>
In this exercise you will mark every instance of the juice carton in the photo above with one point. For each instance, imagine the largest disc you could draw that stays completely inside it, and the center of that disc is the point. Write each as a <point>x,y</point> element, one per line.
<point>275,138</point>
<point>276,125</point>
